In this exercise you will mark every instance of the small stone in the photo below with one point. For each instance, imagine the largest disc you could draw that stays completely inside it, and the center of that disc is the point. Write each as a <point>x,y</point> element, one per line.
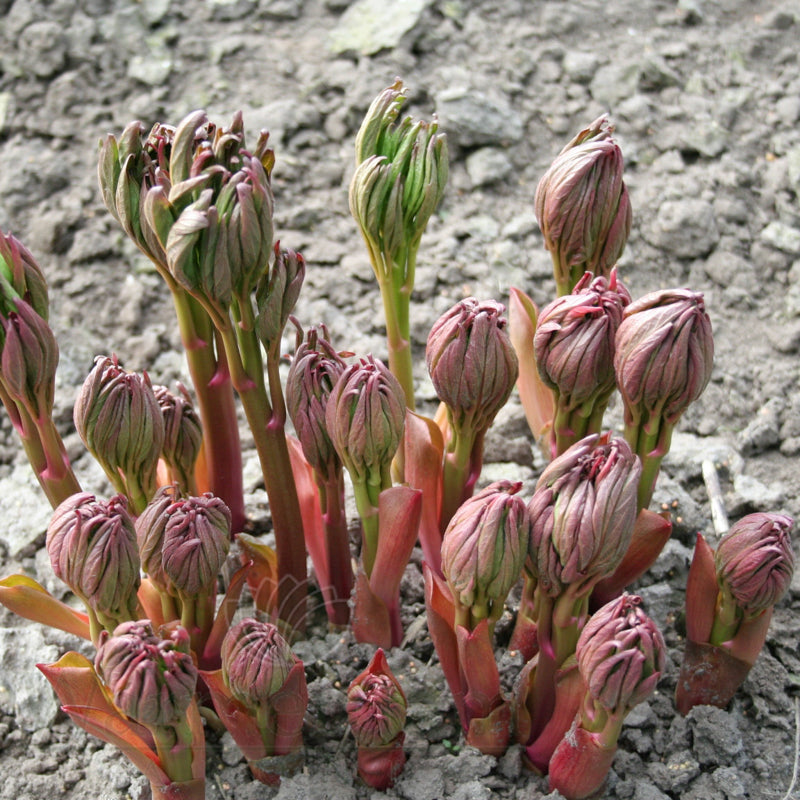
<point>488,165</point>
<point>614,82</point>
<point>717,738</point>
<point>472,118</point>
<point>153,67</point>
<point>685,228</point>
<point>580,66</point>
<point>782,237</point>
<point>369,26</point>
<point>754,494</point>
<point>762,432</point>
<point>25,515</point>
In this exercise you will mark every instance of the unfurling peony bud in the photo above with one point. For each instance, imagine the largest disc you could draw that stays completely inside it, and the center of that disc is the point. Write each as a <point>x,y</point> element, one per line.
<point>152,680</point>
<point>582,514</point>
<point>277,293</point>
<point>150,526</point>
<point>484,548</point>
<point>621,655</point>
<point>365,417</point>
<point>256,661</point>
<point>197,538</point>
<point>92,548</point>
<point>29,359</point>
<point>755,561</point>
<point>401,172</point>
<point>315,368</point>
<point>119,421</point>
<point>376,709</point>
<point>574,340</point>
<point>582,206</point>
<point>472,363</point>
<point>664,354</point>
<point>21,276</point>
<point>183,432</point>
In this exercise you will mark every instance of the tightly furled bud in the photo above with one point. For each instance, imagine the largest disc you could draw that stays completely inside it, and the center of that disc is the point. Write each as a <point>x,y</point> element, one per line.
<point>574,340</point>
<point>365,417</point>
<point>183,431</point>
<point>152,680</point>
<point>582,206</point>
<point>376,704</point>
<point>119,421</point>
<point>29,359</point>
<point>277,293</point>
<point>621,655</point>
<point>472,363</point>
<point>401,172</point>
<point>315,368</point>
<point>664,355</point>
<point>755,561</point>
<point>92,548</point>
<point>197,538</point>
<point>485,546</point>
<point>256,661</point>
<point>150,526</point>
<point>21,275</point>
<point>582,514</point>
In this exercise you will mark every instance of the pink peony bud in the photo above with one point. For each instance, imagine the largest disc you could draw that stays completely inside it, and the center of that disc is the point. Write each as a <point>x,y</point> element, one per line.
<point>574,340</point>
<point>365,417</point>
<point>150,526</point>
<point>755,561</point>
<point>183,432</point>
<point>314,371</point>
<point>582,206</point>
<point>277,293</point>
<point>120,422</point>
<point>376,704</point>
<point>92,548</point>
<point>664,355</point>
<point>256,661</point>
<point>583,513</point>
<point>484,548</point>
<point>29,359</point>
<point>197,538</point>
<point>472,363</point>
<point>24,276</point>
<point>152,680</point>
<point>621,655</point>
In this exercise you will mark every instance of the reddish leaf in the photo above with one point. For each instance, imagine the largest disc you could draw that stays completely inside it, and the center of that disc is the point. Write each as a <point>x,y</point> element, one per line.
<point>424,450</point>
<point>536,398</point>
<point>211,654</point>
<point>490,734</point>
<point>701,593</point>
<point>480,674</point>
<point>370,621</point>
<point>262,575</point>
<point>28,599</point>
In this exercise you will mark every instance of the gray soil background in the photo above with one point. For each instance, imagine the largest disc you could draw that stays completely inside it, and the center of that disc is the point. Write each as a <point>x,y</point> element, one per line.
<point>706,100</point>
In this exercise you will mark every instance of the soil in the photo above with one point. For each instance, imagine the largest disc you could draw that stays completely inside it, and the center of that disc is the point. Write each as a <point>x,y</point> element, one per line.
<point>705,97</point>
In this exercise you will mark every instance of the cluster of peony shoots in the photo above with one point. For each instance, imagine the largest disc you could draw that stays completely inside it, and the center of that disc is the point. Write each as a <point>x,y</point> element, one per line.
<point>174,653</point>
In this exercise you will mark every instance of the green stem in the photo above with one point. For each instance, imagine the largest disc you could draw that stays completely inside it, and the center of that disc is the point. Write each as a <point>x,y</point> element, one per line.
<point>215,403</point>
<point>45,451</point>
<point>396,313</point>
<point>368,512</point>
<point>455,473</point>
<point>174,747</point>
<point>650,441</point>
<point>246,365</point>
<point>727,618</point>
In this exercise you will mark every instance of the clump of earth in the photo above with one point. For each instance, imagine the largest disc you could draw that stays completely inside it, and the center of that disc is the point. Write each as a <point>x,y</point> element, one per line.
<point>705,97</point>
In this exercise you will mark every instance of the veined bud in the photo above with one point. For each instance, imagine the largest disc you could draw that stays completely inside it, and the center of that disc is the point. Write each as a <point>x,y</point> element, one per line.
<point>664,354</point>
<point>401,172</point>
<point>376,705</point>
<point>92,548</point>
<point>150,526</point>
<point>583,513</point>
<point>315,368</point>
<point>197,538</point>
<point>20,273</point>
<point>755,561</point>
<point>183,431</point>
<point>119,421</point>
<point>574,339</point>
<point>485,546</point>
<point>472,363</point>
<point>365,417</point>
<point>582,206</point>
<point>621,655</point>
<point>277,293</point>
<point>29,359</point>
<point>152,679</point>
<point>256,661</point>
